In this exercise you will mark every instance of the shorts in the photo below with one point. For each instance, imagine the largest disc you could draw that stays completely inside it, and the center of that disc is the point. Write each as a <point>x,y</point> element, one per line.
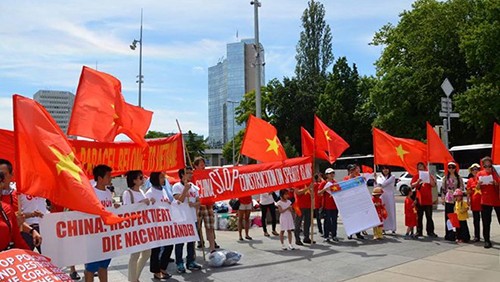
<point>206,216</point>
<point>247,207</point>
<point>94,266</point>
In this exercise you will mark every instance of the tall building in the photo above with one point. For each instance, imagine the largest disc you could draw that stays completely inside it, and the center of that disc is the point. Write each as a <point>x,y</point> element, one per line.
<point>228,81</point>
<point>58,103</point>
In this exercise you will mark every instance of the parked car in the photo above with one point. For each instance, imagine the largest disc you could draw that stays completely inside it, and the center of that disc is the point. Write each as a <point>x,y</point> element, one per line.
<point>404,180</point>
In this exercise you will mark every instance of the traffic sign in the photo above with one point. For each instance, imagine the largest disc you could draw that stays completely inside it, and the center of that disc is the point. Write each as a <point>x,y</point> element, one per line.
<point>452,115</point>
<point>447,87</point>
<point>446,105</point>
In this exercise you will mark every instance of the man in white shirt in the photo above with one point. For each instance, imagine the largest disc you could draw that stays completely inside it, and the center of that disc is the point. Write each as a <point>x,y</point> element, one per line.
<point>186,192</point>
<point>102,177</point>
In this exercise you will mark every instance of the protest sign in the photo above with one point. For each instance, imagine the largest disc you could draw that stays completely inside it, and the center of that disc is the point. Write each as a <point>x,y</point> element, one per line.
<point>18,265</point>
<point>234,182</point>
<point>355,205</point>
<point>152,226</point>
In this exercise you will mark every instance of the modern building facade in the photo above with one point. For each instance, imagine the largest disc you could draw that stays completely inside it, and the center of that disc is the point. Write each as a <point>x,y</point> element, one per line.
<point>228,81</point>
<point>59,104</point>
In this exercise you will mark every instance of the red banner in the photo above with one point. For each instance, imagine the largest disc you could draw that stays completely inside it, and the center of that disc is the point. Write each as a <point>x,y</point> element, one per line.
<point>161,154</point>
<point>25,265</point>
<point>234,182</point>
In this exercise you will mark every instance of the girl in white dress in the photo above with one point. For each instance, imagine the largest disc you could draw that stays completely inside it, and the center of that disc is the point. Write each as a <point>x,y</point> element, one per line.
<point>387,180</point>
<point>286,219</point>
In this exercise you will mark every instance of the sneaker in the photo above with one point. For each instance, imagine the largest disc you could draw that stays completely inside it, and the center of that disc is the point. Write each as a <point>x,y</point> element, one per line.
<point>181,268</point>
<point>327,240</point>
<point>283,247</point>
<point>216,246</point>
<point>290,247</point>
<point>299,243</point>
<point>335,239</point>
<point>349,237</point>
<point>359,236</point>
<point>193,266</point>
<point>74,275</point>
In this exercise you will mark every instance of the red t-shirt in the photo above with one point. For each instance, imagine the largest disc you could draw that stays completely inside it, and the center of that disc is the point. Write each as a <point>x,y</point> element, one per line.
<point>245,200</point>
<point>474,194</point>
<point>318,199</point>
<point>489,193</point>
<point>13,233</point>
<point>11,200</point>
<point>424,192</point>
<point>304,200</point>
<point>410,213</point>
<point>328,201</point>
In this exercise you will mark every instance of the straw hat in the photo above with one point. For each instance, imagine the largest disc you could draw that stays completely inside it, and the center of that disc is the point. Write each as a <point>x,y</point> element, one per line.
<point>474,165</point>
<point>377,191</point>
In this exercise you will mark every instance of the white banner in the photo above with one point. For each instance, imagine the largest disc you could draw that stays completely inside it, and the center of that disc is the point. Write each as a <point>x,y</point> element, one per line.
<point>355,205</point>
<point>72,238</point>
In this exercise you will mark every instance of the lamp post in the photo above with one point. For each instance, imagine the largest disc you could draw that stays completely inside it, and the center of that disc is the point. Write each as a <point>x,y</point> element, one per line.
<point>133,46</point>
<point>233,102</point>
<point>258,63</point>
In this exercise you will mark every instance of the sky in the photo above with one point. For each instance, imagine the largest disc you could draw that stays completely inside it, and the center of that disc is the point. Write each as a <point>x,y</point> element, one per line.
<point>44,44</point>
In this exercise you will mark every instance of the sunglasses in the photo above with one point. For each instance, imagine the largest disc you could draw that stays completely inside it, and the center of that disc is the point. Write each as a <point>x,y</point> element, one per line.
<point>475,168</point>
<point>452,167</point>
<point>486,166</point>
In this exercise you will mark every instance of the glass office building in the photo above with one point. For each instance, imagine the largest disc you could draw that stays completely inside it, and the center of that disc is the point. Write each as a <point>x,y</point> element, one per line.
<point>59,104</point>
<point>228,81</point>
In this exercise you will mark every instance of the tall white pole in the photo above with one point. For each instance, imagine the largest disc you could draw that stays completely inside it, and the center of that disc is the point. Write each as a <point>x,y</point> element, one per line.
<point>140,65</point>
<point>258,62</point>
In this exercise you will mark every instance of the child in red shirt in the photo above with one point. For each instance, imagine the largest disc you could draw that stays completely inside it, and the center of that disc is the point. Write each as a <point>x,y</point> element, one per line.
<point>381,211</point>
<point>410,213</point>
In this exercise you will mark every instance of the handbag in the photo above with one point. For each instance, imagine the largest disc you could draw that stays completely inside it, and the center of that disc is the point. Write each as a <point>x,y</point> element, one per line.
<point>235,204</point>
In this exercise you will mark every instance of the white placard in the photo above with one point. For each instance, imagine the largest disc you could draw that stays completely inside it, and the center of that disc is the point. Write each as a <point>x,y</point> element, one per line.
<point>72,238</point>
<point>368,176</point>
<point>488,179</point>
<point>355,206</point>
<point>424,176</point>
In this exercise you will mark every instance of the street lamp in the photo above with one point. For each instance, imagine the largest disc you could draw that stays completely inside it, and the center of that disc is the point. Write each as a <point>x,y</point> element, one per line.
<point>233,102</point>
<point>133,46</point>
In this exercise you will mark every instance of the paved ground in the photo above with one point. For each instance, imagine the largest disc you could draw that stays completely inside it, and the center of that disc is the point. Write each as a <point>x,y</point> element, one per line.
<point>355,260</point>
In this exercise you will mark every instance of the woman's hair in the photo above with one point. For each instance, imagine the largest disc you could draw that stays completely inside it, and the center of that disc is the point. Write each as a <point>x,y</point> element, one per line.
<point>283,192</point>
<point>384,167</point>
<point>420,163</point>
<point>486,159</point>
<point>131,176</point>
<point>154,178</point>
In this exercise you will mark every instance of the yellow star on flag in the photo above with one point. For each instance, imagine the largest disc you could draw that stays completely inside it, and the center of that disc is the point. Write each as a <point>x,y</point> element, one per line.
<point>273,145</point>
<point>401,152</point>
<point>477,191</point>
<point>115,116</point>
<point>67,163</point>
<point>327,136</point>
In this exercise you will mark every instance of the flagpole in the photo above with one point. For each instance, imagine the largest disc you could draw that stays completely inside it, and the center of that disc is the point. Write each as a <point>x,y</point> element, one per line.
<point>312,194</point>
<point>186,152</point>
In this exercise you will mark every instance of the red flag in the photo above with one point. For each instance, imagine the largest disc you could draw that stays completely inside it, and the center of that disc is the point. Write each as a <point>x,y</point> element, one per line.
<point>327,141</point>
<point>7,143</point>
<point>296,208</point>
<point>366,169</point>
<point>261,141</point>
<point>389,150</point>
<point>308,145</point>
<point>46,165</point>
<point>436,150</point>
<point>495,149</point>
<point>101,113</point>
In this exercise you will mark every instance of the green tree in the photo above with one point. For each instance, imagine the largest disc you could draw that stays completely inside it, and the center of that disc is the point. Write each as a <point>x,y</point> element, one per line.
<point>227,149</point>
<point>157,134</point>
<point>195,145</point>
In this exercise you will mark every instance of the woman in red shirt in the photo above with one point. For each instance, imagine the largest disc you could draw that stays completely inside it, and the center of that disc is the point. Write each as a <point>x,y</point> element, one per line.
<point>424,202</point>
<point>329,206</point>
<point>244,215</point>
<point>488,182</point>
<point>474,200</point>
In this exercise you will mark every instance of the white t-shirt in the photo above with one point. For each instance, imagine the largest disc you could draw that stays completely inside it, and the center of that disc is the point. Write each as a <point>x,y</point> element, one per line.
<point>138,196</point>
<point>193,193</point>
<point>105,197</point>
<point>30,204</point>
<point>266,199</point>
<point>160,195</point>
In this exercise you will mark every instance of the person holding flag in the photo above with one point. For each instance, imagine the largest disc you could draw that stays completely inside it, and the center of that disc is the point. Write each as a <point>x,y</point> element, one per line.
<point>303,198</point>
<point>474,200</point>
<point>329,206</point>
<point>488,182</point>
<point>424,201</point>
<point>386,181</point>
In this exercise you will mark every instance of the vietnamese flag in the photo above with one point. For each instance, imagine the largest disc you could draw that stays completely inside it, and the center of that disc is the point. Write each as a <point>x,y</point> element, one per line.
<point>45,164</point>
<point>436,150</point>
<point>389,150</point>
<point>495,149</point>
<point>327,141</point>
<point>261,141</point>
<point>8,148</point>
<point>308,145</point>
<point>366,169</point>
<point>100,111</point>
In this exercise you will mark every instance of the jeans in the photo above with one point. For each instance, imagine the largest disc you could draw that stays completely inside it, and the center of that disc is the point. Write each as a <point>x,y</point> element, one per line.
<point>159,258</point>
<point>317,215</point>
<point>486,217</point>
<point>450,234</point>
<point>476,215</point>
<point>272,209</point>
<point>330,223</point>
<point>427,209</point>
<point>306,217</point>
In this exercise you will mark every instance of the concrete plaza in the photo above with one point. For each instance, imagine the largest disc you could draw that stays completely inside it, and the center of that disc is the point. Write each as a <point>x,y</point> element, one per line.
<point>394,258</point>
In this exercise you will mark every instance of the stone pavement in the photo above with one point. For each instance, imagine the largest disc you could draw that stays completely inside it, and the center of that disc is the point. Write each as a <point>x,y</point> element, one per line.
<point>349,260</point>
